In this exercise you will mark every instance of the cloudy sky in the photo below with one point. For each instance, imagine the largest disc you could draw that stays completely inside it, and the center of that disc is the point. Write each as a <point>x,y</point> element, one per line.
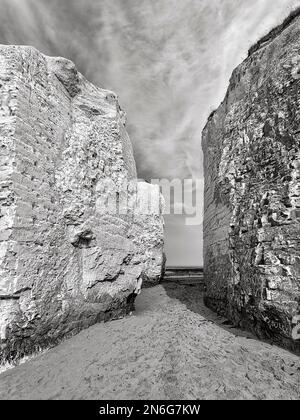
<point>168,60</point>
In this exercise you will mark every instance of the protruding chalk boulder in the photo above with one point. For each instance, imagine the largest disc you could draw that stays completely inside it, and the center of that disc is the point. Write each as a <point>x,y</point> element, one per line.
<point>67,258</point>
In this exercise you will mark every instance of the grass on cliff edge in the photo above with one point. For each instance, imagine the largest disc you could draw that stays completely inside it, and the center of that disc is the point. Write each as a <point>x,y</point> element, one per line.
<point>276,31</point>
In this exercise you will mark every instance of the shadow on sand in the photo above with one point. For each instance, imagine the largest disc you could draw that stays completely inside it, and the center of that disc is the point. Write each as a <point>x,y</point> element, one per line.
<point>192,297</point>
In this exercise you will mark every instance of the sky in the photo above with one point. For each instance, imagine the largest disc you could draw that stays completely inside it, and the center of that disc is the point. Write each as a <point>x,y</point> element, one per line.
<point>168,60</point>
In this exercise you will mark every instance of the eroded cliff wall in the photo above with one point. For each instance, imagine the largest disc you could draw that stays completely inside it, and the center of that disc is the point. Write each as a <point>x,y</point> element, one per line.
<point>252,196</point>
<point>65,261</point>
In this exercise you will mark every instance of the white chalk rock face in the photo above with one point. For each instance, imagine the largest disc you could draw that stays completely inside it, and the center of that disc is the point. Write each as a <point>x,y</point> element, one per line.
<point>252,192</point>
<point>67,258</point>
<point>148,232</point>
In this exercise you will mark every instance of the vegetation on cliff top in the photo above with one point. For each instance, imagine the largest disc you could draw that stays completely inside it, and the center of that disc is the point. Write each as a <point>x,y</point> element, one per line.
<point>276,31</point>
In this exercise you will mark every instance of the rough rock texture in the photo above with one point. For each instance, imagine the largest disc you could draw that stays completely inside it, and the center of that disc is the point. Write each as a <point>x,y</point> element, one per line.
<point>147,232</point>
<point>65,262</point>
<point>252,197</point>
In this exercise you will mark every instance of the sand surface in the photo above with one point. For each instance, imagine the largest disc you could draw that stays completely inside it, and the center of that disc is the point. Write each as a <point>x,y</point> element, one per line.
<point>172,347</point>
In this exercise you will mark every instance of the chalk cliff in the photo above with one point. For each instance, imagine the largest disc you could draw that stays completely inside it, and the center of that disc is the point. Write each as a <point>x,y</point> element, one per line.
<point>252,196</point>
<point>66,262</point>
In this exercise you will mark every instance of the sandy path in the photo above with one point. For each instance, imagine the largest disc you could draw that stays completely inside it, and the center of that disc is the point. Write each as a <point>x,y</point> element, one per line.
<point>171,348</point>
